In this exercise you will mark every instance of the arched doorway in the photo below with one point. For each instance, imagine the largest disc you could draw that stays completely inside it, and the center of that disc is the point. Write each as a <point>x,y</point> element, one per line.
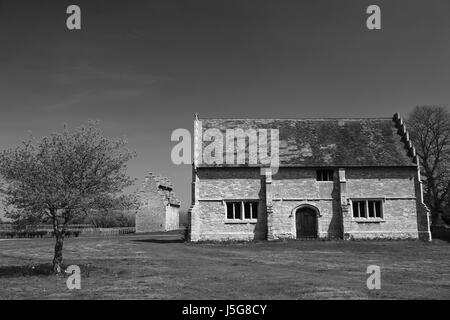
<point>306,222</point>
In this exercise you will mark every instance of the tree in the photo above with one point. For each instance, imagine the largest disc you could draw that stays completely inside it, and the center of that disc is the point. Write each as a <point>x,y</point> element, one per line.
<point>446,216</point>
<point>429,128</point>
<point>64,176</point>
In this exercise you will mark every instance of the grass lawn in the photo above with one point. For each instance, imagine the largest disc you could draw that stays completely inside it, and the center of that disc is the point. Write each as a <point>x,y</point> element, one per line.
<point>141,267</point>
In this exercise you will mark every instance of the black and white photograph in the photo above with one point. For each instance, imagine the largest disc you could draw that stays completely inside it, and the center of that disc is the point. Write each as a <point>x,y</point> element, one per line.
<point>224,155</point>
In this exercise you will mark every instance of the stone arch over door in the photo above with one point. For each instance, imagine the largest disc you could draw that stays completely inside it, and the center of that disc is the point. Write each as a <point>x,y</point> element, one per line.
<point>306,221</point>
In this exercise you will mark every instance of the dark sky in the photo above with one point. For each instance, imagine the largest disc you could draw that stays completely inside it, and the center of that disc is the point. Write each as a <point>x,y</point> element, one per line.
<point>143,68</point>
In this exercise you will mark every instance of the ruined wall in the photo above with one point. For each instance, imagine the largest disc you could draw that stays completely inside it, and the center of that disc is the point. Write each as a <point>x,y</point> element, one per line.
<point>159,208</point>
<point>172,218</point>
<point>151,215</point>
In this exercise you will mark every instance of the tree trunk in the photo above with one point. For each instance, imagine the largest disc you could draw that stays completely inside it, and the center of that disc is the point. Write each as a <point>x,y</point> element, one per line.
<point>58,258</point>
<point>59,229</point>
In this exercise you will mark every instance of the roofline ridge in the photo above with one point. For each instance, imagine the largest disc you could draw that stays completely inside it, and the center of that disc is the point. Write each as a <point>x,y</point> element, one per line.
<point>302,119</point>
<point>404,134</point>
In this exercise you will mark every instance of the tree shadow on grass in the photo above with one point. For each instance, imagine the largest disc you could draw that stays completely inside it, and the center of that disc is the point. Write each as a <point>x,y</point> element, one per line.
<point>40,269</point>
<point>173,236</point>
<point>43,269</point>
<point>160,240</point>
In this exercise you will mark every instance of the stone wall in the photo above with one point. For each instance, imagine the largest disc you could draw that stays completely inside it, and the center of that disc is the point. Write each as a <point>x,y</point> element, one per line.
<point>208,218</point>
<point>172,218</point>
<point>159,208</point>
<point>404,215</point>
<point>151,214</point>
<point>296,187</point>
<point>396,187</point>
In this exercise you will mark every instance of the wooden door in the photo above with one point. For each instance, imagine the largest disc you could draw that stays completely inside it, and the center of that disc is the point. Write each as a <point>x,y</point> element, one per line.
<point>306,223</point>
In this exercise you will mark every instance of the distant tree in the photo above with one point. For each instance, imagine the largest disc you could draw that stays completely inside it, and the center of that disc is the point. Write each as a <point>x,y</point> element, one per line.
<point>64,176</point>
<point>429,128</point>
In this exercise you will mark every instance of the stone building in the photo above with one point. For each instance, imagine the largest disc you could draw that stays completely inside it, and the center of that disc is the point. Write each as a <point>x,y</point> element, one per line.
<point>337,178</point>
<point>159,210</point>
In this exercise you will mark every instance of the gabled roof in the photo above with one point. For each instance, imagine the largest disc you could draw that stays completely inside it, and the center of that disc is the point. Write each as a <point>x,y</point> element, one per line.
<point>330,142</point>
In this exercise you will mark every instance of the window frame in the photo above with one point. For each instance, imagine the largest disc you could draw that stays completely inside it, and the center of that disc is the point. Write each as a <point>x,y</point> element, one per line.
<point>367,217</point>
<point>242,203</point>
<point>320,174</point>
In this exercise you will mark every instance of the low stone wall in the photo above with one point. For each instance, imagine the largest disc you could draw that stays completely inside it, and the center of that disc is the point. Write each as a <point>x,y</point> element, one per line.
<point>106,231</point>
<point>71,232</point>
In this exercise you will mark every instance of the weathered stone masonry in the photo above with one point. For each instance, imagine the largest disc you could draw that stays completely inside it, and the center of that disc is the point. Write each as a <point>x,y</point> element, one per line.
<point>371,159</point>
<point>159,210</point>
